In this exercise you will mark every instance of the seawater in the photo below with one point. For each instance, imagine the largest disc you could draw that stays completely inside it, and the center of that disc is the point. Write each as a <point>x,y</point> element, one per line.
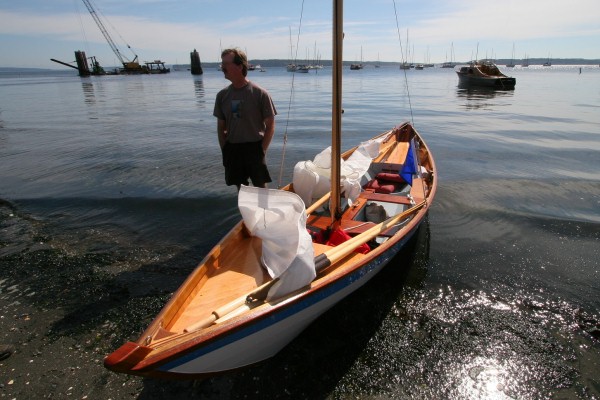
<point>497,298</point>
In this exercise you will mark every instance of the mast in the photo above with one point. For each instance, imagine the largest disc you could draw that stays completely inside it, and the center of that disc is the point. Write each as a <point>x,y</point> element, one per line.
<point>336,120</point>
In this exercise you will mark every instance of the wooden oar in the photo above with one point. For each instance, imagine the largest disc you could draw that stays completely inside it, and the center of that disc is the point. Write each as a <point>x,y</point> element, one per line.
<point>322,261</point>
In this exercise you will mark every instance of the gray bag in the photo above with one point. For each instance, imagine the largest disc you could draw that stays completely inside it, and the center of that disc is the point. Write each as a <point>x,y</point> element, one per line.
<point>375,213</point>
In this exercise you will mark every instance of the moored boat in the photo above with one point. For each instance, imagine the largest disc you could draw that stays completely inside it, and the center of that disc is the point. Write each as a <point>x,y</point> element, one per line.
<point>451,63</point>
<point>484,73</point>
<point>233,311</point>
<point>157,67</point>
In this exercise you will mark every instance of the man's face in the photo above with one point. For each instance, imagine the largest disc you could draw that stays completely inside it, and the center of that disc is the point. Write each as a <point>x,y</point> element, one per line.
<point>229,68</point>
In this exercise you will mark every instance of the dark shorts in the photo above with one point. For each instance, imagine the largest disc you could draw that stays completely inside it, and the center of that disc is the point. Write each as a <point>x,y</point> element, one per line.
<point>245,161</point>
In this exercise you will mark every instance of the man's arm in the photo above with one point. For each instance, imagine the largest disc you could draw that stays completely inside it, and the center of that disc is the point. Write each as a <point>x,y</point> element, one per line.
<point>221,132</point>
<point>269,132</point>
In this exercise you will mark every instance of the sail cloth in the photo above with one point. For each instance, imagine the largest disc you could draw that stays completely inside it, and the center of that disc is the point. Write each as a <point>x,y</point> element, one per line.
<point>279,219</point>
<point>312,179</point>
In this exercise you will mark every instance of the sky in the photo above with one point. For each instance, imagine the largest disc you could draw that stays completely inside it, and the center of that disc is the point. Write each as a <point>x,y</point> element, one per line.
<point>34,31</point>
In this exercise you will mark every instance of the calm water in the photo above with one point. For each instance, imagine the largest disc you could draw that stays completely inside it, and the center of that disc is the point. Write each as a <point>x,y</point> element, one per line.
<point>498,298</point>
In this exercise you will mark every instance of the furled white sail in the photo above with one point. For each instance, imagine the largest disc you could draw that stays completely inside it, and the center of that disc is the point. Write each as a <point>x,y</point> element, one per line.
<point>312,178</point>
<point>279,219</point>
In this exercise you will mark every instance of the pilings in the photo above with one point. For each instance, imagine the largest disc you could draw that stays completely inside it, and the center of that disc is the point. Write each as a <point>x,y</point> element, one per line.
<point>82,64</point>
<point>195,63</point>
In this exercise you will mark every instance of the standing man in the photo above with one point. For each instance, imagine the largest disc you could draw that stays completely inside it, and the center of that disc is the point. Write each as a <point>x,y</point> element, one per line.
<point>245,123</point>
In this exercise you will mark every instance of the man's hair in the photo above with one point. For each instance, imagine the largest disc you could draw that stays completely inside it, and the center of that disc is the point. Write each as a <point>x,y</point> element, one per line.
<point>239,58</point>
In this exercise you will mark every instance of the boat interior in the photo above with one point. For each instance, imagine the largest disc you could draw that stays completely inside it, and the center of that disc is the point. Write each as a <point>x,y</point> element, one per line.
<point>234,269</point>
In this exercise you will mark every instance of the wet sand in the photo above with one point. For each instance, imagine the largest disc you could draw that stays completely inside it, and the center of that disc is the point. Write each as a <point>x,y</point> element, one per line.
<point>59,347</point>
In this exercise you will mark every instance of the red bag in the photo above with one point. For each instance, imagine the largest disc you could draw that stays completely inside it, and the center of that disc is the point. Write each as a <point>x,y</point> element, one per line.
<point>339,236</point>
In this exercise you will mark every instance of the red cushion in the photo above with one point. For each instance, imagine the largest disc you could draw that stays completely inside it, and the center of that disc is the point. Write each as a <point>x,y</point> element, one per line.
<point>387,176</point>
<point>382,186</point>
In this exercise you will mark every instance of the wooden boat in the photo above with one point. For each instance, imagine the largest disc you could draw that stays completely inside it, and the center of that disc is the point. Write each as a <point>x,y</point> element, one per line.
<point>484,73</point>
<point>220,320</point>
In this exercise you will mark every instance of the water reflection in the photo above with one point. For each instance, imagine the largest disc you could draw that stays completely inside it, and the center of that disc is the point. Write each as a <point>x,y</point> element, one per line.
<point>199,91</point>
<point>89,96</point>
<point>479,97</point>
<point>483,378</point>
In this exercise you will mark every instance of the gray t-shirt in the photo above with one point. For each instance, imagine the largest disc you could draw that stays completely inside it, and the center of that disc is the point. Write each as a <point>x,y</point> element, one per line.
<point>244,111</point>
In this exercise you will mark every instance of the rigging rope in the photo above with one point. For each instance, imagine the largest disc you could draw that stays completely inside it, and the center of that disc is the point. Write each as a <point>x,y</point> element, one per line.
<point>287,122</point>
<point>417,150</point>
<point>405,76</point>
<point>76,2</point>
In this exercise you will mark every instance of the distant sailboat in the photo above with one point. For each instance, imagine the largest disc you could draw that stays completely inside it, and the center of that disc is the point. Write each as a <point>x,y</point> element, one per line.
<point>512,60</point>
<point>428,63</point>
<point>406,64</point>
<point>291,67</point>
<point>359,65</point>
<point>219,67</point>
<point>451,63</point>
<point>547,63</point>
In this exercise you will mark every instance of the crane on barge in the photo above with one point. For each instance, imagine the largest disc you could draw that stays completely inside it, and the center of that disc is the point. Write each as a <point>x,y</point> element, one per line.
<point>129,66</point>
